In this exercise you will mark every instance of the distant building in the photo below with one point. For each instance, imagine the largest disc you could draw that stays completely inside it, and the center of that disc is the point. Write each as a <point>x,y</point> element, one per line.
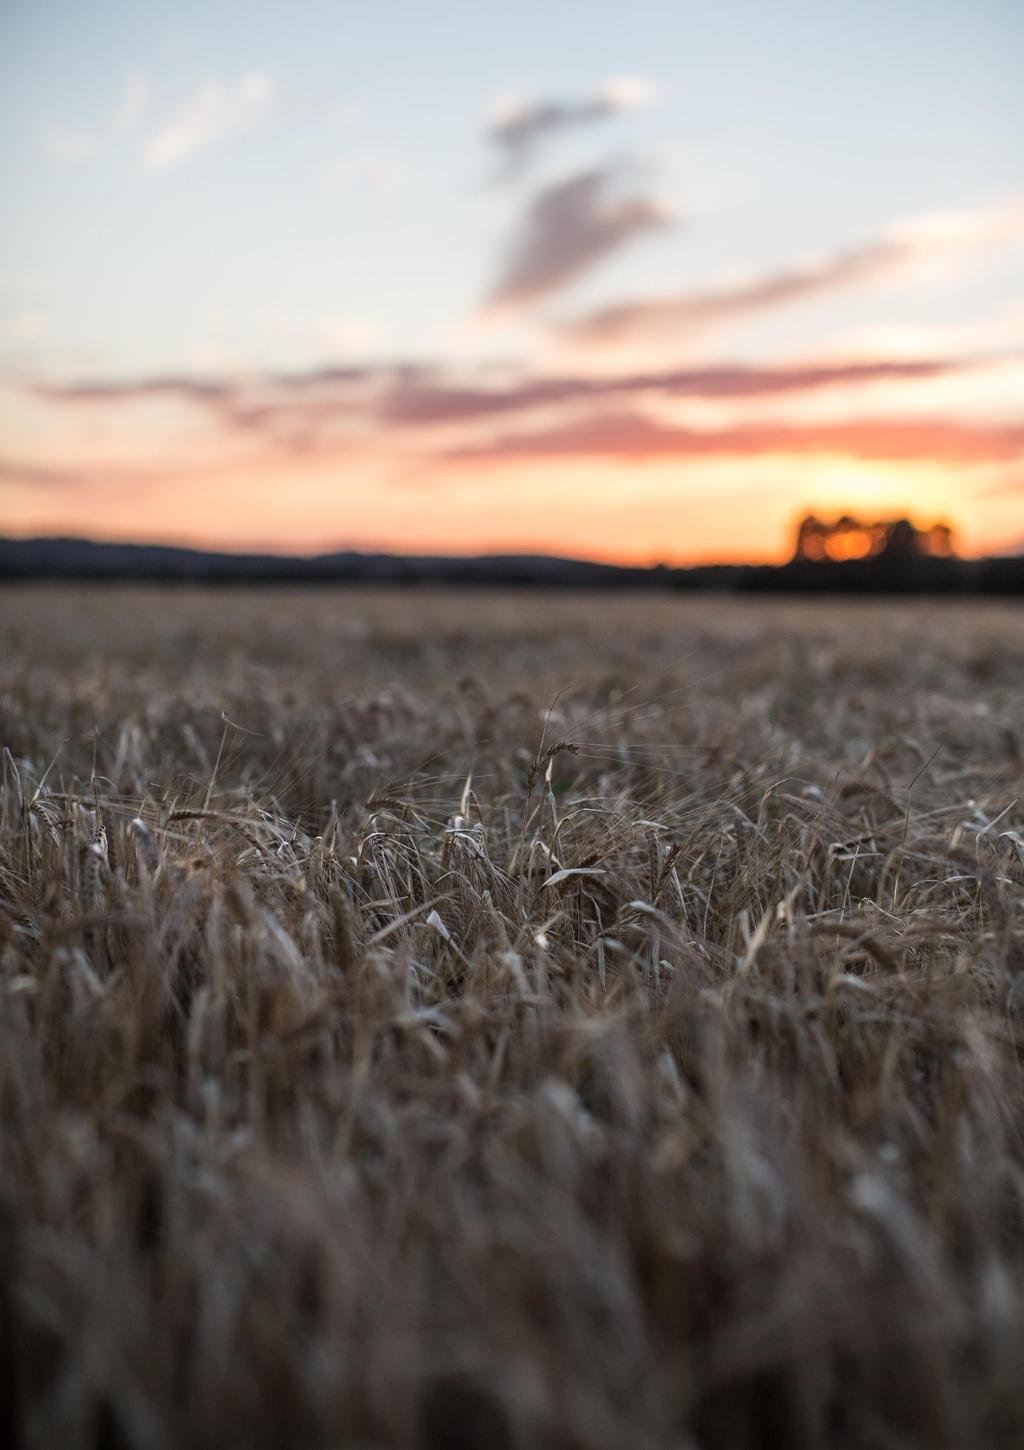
<point>850,538</point>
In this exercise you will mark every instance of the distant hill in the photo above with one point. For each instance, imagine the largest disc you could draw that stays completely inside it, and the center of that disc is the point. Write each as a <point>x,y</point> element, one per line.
<point>63,558</point>
<point>85,559</point>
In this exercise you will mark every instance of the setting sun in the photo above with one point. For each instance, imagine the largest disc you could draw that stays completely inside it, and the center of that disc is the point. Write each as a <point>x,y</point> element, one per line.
<point>853,543</point>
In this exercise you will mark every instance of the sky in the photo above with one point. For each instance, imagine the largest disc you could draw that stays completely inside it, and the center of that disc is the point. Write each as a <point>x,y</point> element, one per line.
<point>642,282</point>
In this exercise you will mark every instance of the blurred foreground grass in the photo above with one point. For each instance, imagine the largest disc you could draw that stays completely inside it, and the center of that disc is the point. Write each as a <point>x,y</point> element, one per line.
<point>455,1020</point>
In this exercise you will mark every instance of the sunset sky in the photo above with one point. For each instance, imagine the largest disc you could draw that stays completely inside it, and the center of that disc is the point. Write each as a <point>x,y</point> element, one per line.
<point>640,281</point>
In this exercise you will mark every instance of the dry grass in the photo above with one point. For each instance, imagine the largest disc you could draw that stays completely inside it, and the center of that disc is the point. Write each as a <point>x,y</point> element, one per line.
<point>530,1022</point>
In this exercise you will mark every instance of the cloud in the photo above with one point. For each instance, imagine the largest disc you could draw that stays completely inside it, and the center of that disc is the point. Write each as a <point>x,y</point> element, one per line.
<point>667,318</point>
<point>1002,330</point>
<point>951,232</point>
<point>429,417</point>
<point>638,438</point>
<point>284,411</point>
<point>518,125</point>
<point>424,400</point>
<point>429,395</point>
<point>108,390</point>
<point>30,474</point>
<point>215,111</point>
<point>914,243</point>
<point>568,228</point>
<point>34,475</point>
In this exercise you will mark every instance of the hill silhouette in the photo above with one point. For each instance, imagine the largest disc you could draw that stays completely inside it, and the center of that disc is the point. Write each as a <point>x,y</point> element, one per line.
<point>902,566</point>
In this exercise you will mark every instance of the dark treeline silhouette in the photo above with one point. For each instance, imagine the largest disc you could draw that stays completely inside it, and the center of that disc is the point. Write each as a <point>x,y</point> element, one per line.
<point>897,540</point>
<point>901,568</point>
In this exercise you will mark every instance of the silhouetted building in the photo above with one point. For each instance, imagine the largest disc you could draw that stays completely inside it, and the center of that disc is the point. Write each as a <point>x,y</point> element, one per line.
<point>850,538</point>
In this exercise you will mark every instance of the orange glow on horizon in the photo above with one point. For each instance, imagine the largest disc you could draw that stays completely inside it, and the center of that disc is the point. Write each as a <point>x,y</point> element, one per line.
<point>850,544</point>
<point>712,511</point>
<point>856,543</point>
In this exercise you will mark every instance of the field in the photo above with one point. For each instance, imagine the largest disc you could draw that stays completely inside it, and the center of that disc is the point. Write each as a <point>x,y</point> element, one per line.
<point>528,1022</point>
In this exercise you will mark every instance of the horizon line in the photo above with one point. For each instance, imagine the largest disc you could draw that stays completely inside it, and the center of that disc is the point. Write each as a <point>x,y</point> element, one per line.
<point>1014,549</point>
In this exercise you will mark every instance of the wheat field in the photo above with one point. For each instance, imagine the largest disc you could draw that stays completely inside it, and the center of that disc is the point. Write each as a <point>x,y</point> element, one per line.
<point>453,1020</point>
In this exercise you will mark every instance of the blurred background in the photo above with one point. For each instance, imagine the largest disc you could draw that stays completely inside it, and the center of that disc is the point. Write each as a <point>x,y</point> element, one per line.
<point>636,283</point>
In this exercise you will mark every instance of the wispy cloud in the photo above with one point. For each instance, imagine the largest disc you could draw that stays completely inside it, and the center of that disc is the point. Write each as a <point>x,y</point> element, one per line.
<point>35,475</point>
<point>518,125</point>
<point>29,473</point>
<point>428,393</point>
<point>1002,331</point>
<point>104,390</point>
<point>217,110</point>
<point>665,318</point>
<point>426,399</point>
<point>306,409</point>
<point>638,438</point>
<point>948,233</point>
<point>921,244</point>
<point>568,228</point>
